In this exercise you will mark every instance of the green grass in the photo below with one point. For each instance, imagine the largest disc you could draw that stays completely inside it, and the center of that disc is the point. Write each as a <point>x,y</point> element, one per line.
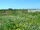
<point>20,21</point>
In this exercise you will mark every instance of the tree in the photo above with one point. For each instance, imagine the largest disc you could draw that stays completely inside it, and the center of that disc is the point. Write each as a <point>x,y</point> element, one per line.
<point>10,9</point>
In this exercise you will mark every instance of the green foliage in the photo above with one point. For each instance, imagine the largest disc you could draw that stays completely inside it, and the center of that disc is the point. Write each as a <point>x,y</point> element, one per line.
<point>20,20</point>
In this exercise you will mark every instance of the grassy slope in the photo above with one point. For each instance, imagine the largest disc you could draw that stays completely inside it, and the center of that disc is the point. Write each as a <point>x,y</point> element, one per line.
<point>20,21</point>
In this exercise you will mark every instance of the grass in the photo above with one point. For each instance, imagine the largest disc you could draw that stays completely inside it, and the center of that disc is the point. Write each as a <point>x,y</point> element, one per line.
<point>20,21</point>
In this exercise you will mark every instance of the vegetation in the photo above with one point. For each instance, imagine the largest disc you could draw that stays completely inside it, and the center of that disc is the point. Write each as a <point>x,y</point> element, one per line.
<point>19,20</point>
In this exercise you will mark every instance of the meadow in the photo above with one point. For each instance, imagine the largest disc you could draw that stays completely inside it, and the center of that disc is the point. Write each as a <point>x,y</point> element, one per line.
<point>19,20</point>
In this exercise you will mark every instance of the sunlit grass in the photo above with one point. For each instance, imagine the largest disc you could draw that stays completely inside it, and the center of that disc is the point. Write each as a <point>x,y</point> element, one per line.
<point>20,21</point>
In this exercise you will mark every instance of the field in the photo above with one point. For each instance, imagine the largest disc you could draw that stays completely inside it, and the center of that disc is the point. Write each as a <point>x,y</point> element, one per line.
<point>19,20</point>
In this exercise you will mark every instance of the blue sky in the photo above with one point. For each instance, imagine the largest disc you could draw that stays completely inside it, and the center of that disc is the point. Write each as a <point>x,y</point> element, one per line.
<point>19,4</point>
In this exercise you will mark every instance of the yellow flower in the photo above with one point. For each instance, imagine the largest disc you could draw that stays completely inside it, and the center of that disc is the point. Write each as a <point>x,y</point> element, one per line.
<point>23,25</point>
<point>17,25</point>
<point>18,29</point>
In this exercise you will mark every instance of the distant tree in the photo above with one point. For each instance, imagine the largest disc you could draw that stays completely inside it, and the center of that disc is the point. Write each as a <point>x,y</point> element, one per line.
<point>10,9</point>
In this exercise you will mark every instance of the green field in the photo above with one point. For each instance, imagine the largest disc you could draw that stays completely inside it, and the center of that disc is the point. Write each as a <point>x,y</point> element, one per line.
<point>19,20</point>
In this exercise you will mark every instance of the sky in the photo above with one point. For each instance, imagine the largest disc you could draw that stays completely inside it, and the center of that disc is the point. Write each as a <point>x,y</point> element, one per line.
<point>20,4</point>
